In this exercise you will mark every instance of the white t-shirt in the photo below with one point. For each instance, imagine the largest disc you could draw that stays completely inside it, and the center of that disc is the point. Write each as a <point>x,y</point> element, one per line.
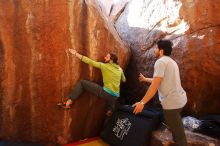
<point>171,93</point>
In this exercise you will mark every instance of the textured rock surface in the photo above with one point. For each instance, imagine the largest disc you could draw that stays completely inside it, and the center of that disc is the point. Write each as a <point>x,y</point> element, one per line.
<point>36,71</point>
<point>163,137</point>
<point>113,8</point>
<point>194,28</point>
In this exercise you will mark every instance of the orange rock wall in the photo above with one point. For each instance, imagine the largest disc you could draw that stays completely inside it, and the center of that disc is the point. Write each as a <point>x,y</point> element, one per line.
<point>36,71</point>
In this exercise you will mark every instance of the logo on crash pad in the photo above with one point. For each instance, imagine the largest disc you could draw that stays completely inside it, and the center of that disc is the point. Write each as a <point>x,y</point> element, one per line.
<point>122,128</point>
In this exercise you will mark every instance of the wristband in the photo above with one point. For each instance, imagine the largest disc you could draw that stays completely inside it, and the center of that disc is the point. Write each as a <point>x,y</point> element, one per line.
<point>141,102</point>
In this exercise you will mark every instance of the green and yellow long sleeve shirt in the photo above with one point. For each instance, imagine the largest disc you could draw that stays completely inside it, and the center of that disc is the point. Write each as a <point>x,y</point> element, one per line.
<point>112,75</point>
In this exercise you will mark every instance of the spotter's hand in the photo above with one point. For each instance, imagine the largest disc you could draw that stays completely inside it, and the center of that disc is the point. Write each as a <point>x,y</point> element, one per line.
<point>138,107</point>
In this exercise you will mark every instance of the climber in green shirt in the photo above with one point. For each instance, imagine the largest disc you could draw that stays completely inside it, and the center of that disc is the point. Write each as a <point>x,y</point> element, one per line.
<point>112,76</point>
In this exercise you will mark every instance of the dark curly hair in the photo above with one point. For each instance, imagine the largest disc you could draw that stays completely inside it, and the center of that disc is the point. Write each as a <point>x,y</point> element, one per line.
<point>166,46</point>
<point>114,58</point>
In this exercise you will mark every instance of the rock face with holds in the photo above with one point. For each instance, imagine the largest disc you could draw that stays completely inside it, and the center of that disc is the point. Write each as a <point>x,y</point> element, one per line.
<point>194,28</point>
<point>37,71</point>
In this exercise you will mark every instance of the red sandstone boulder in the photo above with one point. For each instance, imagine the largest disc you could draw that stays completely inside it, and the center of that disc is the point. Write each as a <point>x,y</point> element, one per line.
<point>36,71</point>
<point>194,28</point>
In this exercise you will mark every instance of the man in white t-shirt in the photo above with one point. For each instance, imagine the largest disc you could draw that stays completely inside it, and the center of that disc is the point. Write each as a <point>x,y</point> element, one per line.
<point>166,80</point>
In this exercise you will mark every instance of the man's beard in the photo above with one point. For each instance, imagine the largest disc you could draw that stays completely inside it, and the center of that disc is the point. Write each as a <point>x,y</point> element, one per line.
<point>156,55</point>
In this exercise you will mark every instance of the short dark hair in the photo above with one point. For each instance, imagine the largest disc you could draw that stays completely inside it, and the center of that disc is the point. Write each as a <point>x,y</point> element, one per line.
<point>166,46</point>
<point>114,58</point>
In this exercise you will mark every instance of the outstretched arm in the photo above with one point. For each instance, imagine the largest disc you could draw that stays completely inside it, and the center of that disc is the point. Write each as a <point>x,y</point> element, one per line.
<point>74,52</point>
<point>149,94</point>
<point>86,59</point>
<point>142,78</point>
